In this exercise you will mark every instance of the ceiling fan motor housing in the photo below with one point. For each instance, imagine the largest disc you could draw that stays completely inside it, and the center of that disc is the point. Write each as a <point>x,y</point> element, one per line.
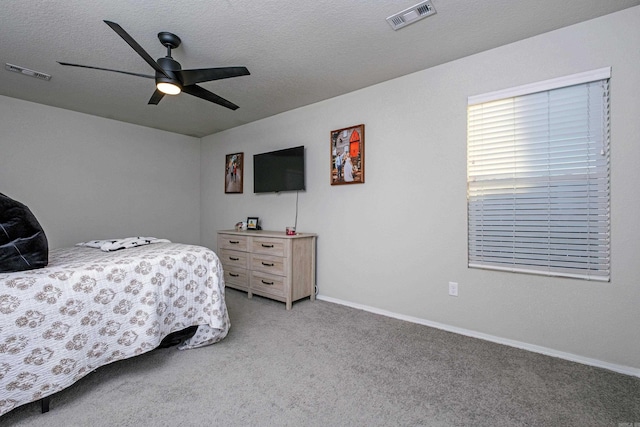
<point>169,65</point>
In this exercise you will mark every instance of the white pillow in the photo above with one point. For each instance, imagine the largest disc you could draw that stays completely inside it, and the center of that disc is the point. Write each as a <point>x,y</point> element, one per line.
<point>117,244</point>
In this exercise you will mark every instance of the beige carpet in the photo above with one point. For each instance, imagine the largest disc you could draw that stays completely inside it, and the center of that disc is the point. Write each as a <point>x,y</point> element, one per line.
<point>323,364</point>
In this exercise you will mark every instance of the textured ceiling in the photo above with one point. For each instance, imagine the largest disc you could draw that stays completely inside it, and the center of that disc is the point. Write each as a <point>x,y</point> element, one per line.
<point>298,51</point>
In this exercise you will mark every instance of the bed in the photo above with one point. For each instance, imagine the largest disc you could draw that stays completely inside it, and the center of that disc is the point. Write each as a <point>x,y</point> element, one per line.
<point>90,307</point>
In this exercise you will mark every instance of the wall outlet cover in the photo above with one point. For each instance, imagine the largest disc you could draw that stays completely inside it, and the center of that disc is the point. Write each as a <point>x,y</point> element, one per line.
<point>453,289</point>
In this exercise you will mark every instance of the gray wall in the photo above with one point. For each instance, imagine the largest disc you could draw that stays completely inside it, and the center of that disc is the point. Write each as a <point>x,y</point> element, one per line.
<point>393,243</point>
<point>89,178</point>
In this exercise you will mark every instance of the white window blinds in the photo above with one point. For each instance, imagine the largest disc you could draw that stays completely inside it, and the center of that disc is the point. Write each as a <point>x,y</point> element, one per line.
<point>538,178</point>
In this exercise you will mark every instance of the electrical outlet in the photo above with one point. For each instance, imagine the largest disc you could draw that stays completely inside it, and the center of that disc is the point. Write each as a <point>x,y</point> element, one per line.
<point>453,289</point>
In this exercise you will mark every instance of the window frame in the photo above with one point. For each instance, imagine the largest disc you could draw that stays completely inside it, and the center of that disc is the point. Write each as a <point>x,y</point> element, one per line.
<point>526,260</point>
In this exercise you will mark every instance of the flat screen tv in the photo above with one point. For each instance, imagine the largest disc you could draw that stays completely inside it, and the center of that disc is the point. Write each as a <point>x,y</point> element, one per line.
<point>281,170</point>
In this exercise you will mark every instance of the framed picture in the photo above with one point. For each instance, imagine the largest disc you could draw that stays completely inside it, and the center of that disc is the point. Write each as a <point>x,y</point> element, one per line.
<point>233,173</point>
<point>252,223</point>
<point>347,155</point>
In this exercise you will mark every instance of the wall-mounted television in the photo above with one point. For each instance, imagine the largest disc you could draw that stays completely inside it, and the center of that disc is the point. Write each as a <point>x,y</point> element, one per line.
<point>281,170</point>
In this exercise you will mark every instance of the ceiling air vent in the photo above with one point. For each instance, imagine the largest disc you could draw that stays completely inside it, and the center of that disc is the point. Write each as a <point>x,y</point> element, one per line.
<point>27,72</point>
<point>411,15</point>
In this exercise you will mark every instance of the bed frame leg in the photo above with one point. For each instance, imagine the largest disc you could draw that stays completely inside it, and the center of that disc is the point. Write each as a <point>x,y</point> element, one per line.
<point>44,403</point>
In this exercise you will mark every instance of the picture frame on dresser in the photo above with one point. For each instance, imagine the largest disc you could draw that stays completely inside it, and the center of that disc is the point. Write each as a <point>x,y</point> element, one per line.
<point>252,223</point>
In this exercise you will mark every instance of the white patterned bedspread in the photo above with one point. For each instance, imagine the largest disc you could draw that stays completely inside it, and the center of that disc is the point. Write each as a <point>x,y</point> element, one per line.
<point>88,308</point>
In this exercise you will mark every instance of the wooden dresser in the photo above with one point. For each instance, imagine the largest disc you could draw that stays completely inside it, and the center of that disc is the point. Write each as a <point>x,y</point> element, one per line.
<point>269,263</point>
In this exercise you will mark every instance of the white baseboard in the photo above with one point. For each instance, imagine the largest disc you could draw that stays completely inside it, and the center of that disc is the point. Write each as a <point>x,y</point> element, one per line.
<point>627,370</point>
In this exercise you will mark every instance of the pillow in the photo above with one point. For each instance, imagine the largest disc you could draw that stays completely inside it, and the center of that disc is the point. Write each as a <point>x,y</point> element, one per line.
<point>23,244</point>
<point>117,244</point>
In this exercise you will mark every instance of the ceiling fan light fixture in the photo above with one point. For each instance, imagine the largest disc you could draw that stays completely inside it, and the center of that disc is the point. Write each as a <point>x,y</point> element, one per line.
<point>168,88</point>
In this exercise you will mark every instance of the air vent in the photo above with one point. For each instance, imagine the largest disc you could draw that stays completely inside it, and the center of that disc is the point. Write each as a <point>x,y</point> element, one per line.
<point>27,72</point>
<point>411,15</point>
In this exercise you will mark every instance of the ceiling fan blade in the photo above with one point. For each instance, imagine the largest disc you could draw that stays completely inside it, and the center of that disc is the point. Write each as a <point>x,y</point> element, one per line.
<point>134,44</point>
<point>190,77</point>
<point>202,93</point>
<point>107,69</point>
<point>156,97</point>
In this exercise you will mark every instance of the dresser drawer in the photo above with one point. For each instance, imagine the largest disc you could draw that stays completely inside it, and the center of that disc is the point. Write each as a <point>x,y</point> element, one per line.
<point>267,283</point>
<point>236,278</point>
<point>230,241</point>
<point>235,259</point>
<point>268,264</point>
<point>268,246</point>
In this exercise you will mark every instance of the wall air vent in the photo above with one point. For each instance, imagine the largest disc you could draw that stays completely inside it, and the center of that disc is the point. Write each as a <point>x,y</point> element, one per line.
<point>27,72</point>
<point>411,15</point>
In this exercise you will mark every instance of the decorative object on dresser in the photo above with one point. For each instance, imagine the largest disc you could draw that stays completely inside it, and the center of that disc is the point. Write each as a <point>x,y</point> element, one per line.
<point>347,155</point>
<point>271,264</point>
<point>252,223</point>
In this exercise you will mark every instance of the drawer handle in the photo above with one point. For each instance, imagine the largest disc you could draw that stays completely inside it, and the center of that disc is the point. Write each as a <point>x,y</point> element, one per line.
<point>266,283</point>
<point>234,275</point>
<point>267,264</point>
<point>267,246</point>
<point>234,242</point>
<point>234,259</point>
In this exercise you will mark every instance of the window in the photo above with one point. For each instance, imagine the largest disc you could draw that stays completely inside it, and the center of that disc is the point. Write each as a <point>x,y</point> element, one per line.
<point>538,178</point>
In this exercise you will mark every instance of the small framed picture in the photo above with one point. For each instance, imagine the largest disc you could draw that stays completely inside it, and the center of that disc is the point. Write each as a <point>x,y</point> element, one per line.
<point>233,173</point>
<point>347,155</point>
<point>252,223</point>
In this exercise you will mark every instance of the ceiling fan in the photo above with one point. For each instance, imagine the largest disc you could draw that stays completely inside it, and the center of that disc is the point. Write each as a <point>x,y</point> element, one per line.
<point>170,78</point>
